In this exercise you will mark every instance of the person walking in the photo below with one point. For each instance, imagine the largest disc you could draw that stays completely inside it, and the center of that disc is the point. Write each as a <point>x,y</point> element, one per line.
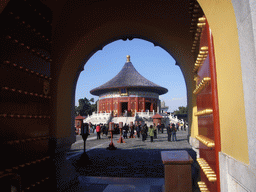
<point>162,127</point>
<point>151,132</point>
<point>143,132</point>
<point>146,133</point>
<point>93,128</point>
<point>138,130</point>
<point>131,131</point>
<point>158,127</point>
<point>174,130</point>
<point>125,131</point>
<point>98,129</point>
<point>90,127</point>
<point>106,129</point>
<point>155,132</point>
<point>177,126</point>
<point>169,132</point>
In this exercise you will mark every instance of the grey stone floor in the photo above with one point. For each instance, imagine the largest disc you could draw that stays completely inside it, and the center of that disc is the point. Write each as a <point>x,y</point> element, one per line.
<point>133,166</point>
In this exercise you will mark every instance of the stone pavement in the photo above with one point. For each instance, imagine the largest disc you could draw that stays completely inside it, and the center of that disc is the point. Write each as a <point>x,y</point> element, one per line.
<point>133,166</point>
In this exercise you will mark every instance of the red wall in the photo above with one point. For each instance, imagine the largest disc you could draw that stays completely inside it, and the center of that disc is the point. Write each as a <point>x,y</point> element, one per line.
<point>134,103</point>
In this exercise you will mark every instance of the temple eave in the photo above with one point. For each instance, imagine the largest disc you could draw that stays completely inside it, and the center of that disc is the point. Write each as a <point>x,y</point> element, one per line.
<point>100,91</point>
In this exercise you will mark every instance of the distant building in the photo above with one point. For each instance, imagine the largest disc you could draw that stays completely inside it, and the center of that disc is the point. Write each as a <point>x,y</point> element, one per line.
<point>129,97</point>
<point>128,92</point>
<point>164,108</point>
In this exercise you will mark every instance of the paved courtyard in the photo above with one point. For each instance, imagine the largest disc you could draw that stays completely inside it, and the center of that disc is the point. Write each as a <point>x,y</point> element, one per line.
<point>133,161</point>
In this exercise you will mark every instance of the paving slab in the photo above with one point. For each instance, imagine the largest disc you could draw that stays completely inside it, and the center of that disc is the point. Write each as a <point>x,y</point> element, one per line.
<point>134,165</point>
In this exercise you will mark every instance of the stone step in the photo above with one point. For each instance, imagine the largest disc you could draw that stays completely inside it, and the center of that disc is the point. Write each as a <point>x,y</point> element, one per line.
<point>117,184</point>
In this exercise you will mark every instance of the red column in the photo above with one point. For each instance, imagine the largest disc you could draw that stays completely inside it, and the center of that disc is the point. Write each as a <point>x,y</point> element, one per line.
<point>129,104</point>
<point>100,106</point>
<point>151,106</point>
<point>111,106</point>
<point>137,104</point>
<point>144,107</point>
<point>215,102</point>
<point>119,108</point>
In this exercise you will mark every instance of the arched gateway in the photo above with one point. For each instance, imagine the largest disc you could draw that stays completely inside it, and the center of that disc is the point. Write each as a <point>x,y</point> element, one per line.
<point>127,93</point>
<point>45,44</point>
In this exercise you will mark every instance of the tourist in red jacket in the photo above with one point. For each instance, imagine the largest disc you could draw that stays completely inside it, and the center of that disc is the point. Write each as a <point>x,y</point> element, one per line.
<point>98,131</point>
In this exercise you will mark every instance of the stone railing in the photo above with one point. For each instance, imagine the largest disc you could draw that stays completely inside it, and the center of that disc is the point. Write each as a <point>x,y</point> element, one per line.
<point>145,114</point>
<point>98,117</point>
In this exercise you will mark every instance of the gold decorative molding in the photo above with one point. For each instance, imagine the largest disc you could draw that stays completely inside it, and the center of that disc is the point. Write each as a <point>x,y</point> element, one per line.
<point>201,25</point>
<point>24,23</point>
<point>204,112</point>
<point>197,28</point>
<point>210,174</point>
<point>206,141</point>
<point>202,186</point>
<point>204,83</point>
<point>204,48</point>
<point>28,48</point>
<point>25,116</point>
<point>26,92</point>
<point>14,169</point>
<point>203,53</point>
<point>28,71</point>
<point>202,20</point>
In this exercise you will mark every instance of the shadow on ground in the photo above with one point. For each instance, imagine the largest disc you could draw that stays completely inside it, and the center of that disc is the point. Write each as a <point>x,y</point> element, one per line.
<point>140,163</point>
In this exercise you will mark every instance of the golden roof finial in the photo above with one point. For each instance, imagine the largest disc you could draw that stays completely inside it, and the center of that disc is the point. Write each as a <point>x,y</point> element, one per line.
<point>128,58</point>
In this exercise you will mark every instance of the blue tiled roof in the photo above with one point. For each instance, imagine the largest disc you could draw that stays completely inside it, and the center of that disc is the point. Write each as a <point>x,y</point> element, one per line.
<point>129,77</point>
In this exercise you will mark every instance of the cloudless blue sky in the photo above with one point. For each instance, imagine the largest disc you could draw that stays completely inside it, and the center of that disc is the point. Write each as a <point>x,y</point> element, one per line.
<point>153,63</point>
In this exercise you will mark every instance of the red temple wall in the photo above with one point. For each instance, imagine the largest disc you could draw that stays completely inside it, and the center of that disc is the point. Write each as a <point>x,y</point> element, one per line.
<point>134,103</point>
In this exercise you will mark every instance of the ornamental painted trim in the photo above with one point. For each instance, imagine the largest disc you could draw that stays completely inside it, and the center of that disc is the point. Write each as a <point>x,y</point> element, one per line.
<point>116,94</point>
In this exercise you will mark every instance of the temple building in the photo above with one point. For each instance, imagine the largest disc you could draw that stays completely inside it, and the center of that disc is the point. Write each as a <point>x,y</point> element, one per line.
<point>127,93</point>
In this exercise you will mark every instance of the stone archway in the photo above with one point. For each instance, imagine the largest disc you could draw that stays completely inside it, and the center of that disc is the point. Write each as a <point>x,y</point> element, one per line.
<point>80,28</point>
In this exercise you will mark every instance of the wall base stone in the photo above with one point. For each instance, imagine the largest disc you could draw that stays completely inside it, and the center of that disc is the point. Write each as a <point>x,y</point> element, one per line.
<point>195,145</point>
<point>236,176</point>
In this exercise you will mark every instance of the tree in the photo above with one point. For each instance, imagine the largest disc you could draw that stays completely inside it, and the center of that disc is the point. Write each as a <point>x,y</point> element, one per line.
<point>92,100</point>
<point>85,107</point>
<point>182,110</point>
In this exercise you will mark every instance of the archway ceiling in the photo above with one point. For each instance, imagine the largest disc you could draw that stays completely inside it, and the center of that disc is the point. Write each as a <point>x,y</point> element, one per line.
<point>170,20</point>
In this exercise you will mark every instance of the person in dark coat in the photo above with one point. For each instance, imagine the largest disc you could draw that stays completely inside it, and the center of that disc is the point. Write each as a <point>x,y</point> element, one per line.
<point>106,130</point>
<point>177,126</point>
<point>125,131</point>
<point>162,127</point>
<point>143,132</point>
<point>138,130</point>
<point>155,132</point>
<point>158,127</point>
<point>131,131</point>
<point>169,132</point>
<point>146,131</point>
<point>174,130</point>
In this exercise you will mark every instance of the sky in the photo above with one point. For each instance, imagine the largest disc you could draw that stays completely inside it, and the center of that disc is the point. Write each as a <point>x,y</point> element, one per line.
<point>152,62</point>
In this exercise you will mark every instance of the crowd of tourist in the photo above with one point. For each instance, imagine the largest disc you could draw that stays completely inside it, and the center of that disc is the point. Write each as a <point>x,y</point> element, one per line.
<point>140,131</point>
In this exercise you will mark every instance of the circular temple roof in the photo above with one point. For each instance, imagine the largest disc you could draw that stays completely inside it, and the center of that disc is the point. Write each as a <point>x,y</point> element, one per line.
<point>129,77</point>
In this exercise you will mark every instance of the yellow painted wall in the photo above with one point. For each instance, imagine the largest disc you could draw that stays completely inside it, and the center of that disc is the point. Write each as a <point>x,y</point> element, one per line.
<point>194,123</point>
<point>222,21</point>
